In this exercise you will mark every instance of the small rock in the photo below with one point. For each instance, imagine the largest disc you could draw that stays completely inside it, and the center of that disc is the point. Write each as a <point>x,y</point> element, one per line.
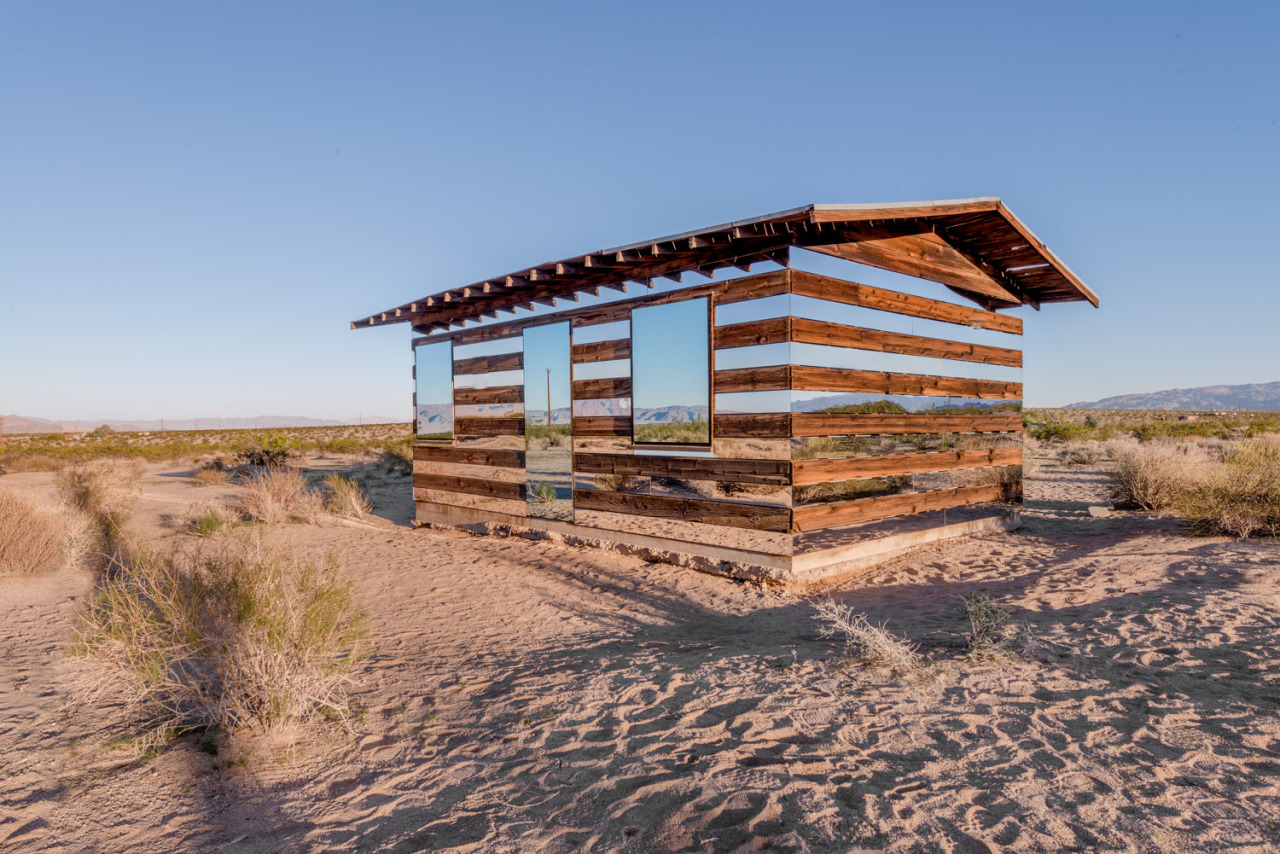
<point>1099,512</point>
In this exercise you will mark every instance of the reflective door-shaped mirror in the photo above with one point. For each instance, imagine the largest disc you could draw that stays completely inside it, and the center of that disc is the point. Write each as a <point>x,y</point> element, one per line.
<point>547,422</point>
<point>671,373</point>
<point>433,372</point>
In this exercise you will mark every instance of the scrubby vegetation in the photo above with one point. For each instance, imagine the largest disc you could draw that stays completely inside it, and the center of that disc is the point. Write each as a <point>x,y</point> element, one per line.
<point>207,518</point>
<point>989,629</point>
<point>694,432</point>
<point>1008,478</point>
<point>344,497</point>
<point>1238,497</point>
<point>1078,425</point>
<point>47,451</point>
<point>864,642</point>
<point>225,638</point>
<point>280,494</point>
<point>1230,489</point>
<point>103,492</point>
<point>33,539</point>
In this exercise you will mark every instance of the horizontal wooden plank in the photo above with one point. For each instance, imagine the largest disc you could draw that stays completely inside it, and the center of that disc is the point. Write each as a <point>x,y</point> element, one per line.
<point>852,293</point>
<point>611,387</point>
<point>886,465</point>
<point>772,378</point>
<point>489,364</point>
<point>773,330</point>
<point>493,394</point>
<point>752,425</point>
<point>469,485</point>
<point>601,351</point>
<point>809,378</point>
<point>489,426</point>
<point>815,517</point>
<point>471,456</point>
<point>729,291</point>
<point>832,424</point>
<point>776,472</point>
<point>602,425</point>
<point>732,514</point>
<point>806,331</point>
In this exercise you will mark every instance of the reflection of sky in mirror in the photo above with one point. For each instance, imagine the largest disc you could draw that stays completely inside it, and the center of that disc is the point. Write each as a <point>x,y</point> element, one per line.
<point>546,347</point>
<point>433,366</point>
<point>669,355</point>
<point>597,332</point>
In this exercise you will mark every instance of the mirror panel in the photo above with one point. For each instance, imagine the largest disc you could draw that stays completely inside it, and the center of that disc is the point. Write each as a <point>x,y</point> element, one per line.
<point>671,373</point>
<point>433,410</point>
<point>547,420</point>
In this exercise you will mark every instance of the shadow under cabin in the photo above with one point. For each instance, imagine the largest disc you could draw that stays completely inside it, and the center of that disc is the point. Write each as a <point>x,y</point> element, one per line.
<point>787,399</point>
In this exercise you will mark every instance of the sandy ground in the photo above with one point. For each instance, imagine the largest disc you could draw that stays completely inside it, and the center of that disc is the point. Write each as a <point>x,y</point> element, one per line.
<point>535,697</point>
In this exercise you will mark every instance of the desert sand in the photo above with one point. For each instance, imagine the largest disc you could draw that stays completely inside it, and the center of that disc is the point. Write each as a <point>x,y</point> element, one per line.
<point>529,696</point>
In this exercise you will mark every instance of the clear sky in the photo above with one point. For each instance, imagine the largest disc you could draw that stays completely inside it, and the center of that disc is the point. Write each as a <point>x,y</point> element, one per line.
<point>196,198</point>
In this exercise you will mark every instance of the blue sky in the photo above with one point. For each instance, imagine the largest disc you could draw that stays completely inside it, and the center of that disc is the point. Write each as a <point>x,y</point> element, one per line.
<point>197,198</point>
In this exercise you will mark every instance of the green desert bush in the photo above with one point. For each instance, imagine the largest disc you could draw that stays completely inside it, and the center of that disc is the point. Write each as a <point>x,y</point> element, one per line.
<point>268,449</point>
<point>344,497</point>
<point>1239,497</point>
<point>865,642</point>
<point>227,638</point>
<point>1059,431</point>
<point>543,493</point>
<point>280,494</point>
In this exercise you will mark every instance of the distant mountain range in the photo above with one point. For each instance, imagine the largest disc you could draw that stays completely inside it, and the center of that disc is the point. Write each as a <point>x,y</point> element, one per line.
<point>24,424</point>
<point>1263,396</point>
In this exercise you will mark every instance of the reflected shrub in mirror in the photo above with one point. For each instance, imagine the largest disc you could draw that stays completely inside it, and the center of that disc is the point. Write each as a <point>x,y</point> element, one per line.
<point>433,368</point>
<point>671,373</point>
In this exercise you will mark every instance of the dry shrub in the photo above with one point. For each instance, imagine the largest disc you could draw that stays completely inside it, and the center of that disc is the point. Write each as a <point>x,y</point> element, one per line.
<point>105,491</point>
<point>1008,478</point>
<point>397,460</point>
<point>280,494</point>
<point>29,462</point>
<point>1239,497</point>
<point>209,476</point>
<point>206,518</point>
<point>1153,475</point>
<point>32,538</point>
<point>346,498</point>
<point>989,623</point>
<point>864,642</point>
<point>229,638</point>
<point>613,482</point>
<point>1082,455</point>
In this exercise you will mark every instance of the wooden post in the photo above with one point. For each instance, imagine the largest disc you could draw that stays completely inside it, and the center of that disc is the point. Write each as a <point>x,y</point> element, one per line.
<point>548,404</point>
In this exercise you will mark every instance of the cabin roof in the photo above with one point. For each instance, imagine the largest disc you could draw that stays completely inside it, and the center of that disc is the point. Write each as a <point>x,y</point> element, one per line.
<point>976,247</point>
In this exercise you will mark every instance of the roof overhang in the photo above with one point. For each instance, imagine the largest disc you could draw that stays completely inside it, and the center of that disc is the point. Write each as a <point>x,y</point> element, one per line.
<point>976,247</point>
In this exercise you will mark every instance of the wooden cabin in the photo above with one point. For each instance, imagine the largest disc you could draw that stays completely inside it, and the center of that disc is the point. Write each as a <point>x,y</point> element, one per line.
<point>786,398</point>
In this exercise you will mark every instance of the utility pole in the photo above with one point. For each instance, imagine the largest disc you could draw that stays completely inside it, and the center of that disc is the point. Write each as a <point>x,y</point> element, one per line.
<point>548,403</point>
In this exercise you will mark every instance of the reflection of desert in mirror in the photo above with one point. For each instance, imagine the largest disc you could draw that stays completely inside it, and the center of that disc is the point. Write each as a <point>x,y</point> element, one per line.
<point>547,419</point>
